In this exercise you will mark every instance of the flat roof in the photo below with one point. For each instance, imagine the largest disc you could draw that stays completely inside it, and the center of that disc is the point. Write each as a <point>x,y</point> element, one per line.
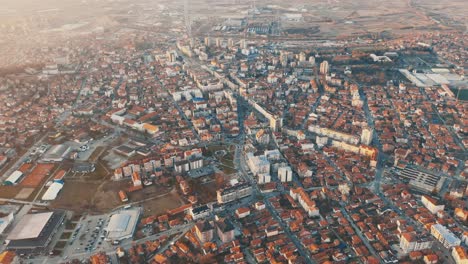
<point>122,224</point>
<point>30,226</point>
<point>14,177</point>
<point>52,192</point>
<point>43,240</point>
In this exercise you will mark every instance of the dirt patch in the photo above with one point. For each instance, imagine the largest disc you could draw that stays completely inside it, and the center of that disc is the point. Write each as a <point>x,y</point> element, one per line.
<point>9,192</point>
<point>206,192</point>
<point>162,204</point>
<point>76,196</point>
<point>24,193</point>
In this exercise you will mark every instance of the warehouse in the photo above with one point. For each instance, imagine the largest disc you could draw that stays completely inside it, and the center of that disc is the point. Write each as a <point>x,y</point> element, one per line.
<point>14,178</point>
<point>56,153</point>
<point>52,192</point>
<point>122,225</point>
<point>34,232</point>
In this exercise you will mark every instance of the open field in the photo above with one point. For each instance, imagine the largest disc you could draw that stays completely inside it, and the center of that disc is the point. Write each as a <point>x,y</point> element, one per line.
<point>9,192</point>
<point>160,205</point>
<point>24,193</point>
<point>76,196</point>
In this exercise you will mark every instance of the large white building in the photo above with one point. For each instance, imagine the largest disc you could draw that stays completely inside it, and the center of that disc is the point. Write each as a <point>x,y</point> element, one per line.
<point>285,174</point>
<point>411,242</point>
<point>304,200</point>
<point>258,164</point>
<point>432,204</point>
<point>52,192</point>
<point>234,192</point>
<point>122,225</point>
<point>445,236</point>
<point>14,178</point>
<point>324,67</point>
<point>459,255</point>
<point>56,153</point>
<point>366,136</point>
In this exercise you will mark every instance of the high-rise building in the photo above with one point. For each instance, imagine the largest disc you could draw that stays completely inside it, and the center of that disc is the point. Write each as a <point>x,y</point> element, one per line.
<point>243,44</point>
<point>230,43</point>
<point>324,67</point>
<point>312,60</point>
<point>285,174</point>
<point>207,41</point>
<point>302,56</point>
<point>366,136</point>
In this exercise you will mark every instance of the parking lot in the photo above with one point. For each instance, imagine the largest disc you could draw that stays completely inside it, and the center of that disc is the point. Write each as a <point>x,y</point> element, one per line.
<point>88,236</point>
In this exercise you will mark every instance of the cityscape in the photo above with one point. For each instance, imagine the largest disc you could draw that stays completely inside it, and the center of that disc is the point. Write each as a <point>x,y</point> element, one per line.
<point>233,131</point>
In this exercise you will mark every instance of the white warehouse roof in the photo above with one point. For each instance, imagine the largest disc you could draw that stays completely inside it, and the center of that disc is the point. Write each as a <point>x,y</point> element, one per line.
<point>30,226</point>
<point>122,225</point>
<point>14,177</point>
<point>52,192</point>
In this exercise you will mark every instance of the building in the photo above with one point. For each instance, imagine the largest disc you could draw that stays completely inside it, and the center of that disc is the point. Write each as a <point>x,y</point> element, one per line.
<point>459,255</point>
<point>445,236</point>
<point>324,67</point>
<point>204,231</point>
<point>263,178</point>
<point>225,230</point>
<point>366,136</point>
<point>199,212</point>
<point>34,232</point>
<point>461,214</point>
<point>123,196</point>
<point>136,179</point>
<point>14,178</point>
<point>432,204</point>
<point>5,220</point>
<point>304,200</point>
<point>285,174</point>
<point>421,181</point>
<point>234,192</point>
<point>125,150</point>
<point>52,192</point>
<point>56,153</point>
<point>411,242</point>
<point>195,162</point>
<point>242,212</point>
<point>258,164</point>
<point>83,167</point>
<point>334,134</point>
<point>181,166</point>
<point>122,225</point>
<point>8,257</point>
<point>99,258</point>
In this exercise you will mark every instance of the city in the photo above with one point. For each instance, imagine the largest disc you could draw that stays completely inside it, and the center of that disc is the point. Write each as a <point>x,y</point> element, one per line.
<point>234,131</point>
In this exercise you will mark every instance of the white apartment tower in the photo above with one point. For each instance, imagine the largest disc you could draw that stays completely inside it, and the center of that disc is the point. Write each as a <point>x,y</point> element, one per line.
<point>324,67</point>
<point>366,136</point>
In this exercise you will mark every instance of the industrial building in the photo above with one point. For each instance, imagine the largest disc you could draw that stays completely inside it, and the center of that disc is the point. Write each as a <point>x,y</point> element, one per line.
<point>14,178</point>
<point>34,232</point>
<point>122,225</point>
<point>420,181</point>
<point>56,153</point>
<point>52,192</point>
